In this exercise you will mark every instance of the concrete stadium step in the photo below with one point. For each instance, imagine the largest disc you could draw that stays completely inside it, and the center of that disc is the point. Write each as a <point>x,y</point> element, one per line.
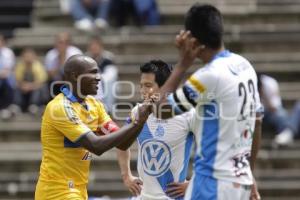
<point>118,190</point>
<point>113,174</point>
<point>154,30</point>
<point>266,57</point>
<point>23,157</point>
<point>279,188</point>
<point>277,174</point>
<point>164,44</point>
<point>276,159</point>
<point>24,191</point>
<point>173,11</point>
<point>277,2</point>
<point>115,188</point>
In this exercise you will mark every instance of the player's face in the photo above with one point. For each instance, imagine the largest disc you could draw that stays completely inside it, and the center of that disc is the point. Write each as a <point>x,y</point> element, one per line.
<point>149,87</point>
<point>95,49</point>
<point>89,79</point>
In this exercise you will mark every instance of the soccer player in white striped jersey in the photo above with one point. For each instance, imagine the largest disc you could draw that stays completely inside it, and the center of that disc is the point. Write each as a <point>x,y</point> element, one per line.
<point>164,144</point>
<point>224,93</point>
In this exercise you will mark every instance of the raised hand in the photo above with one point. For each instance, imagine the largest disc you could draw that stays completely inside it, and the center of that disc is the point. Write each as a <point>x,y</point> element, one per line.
<point>189,48</point>
<point>144,110</point>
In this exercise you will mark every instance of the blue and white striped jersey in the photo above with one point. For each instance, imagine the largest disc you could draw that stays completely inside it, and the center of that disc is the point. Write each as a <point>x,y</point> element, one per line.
<point>164,147</point>
<point>225,96</point>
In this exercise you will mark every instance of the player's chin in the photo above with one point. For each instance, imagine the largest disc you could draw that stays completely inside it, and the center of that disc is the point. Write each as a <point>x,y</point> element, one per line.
<point>93,92</point>
<point>93,89</point>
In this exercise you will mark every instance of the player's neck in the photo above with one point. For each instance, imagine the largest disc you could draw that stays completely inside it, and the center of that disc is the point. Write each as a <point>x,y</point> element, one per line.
<point>163,112</point>
<point>209,54</point>
<point>80,97</point>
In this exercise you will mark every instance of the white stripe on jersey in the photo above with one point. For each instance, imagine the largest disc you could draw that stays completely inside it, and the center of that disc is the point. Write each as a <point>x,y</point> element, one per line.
<point>163,153</point>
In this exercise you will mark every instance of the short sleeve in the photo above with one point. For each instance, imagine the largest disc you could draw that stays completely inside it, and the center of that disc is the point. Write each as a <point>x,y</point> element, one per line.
<point>198,89</point>
<point>106,124</point>
<point>259,108</point>
<point>103,116</point>
<point>65,120</point>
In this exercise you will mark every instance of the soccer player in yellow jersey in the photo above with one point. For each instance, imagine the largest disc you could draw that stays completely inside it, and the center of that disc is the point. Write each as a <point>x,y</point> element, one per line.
<point>70,127</point>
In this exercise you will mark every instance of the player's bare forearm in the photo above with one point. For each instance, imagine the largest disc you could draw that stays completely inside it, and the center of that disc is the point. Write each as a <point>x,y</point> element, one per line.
<point>131,182</point>
<point>124,162</point>
<point>123,137</point>
<point>173,81</point>
<point>125,144</point>
<point>100,144</point>
<point>256,141</point>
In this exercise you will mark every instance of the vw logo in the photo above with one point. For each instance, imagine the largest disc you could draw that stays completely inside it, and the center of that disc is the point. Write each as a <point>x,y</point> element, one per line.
<point>155,157</point>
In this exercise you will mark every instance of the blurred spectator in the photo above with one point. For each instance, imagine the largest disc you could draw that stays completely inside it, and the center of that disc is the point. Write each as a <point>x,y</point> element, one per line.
<point>123,10</point>
<point>275,115</point>
<point>147,11</point>
<point>7,61</point>
<point>56,57</point>
<point>143,12</point>
<point>109,72</point>
<point>31,80</point>
<point>88,13</point>
<point>286,137</point>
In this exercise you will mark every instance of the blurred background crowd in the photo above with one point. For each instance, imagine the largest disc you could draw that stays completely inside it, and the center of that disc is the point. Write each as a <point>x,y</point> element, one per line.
<point>37,36</point>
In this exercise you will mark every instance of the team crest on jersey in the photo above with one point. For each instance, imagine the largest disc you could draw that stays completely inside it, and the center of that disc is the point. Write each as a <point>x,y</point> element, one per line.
<point>155,157</point>
<point>87,156</point>
<point>160,131</point>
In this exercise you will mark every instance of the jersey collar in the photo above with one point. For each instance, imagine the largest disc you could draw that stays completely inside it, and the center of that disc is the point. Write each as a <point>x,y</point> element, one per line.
<point>222,54</point>
<point>67,92</point>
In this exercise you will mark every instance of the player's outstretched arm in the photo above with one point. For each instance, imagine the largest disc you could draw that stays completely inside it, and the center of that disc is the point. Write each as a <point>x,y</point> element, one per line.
<point>131,182</point>
<point>123,137</point>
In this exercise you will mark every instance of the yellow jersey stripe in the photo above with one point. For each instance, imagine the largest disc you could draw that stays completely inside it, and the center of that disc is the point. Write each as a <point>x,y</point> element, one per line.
<point>197,84</point>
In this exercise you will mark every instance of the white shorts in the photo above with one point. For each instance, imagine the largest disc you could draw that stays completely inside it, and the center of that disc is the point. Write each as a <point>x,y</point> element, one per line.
<point>208,188</point>
<point>141,198</point>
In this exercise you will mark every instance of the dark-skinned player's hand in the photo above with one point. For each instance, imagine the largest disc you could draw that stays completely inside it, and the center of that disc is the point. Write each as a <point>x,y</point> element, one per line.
<point>176,190</point>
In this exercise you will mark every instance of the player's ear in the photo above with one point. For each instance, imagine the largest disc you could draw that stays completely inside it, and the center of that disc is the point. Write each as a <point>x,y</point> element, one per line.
<point>200,48</point>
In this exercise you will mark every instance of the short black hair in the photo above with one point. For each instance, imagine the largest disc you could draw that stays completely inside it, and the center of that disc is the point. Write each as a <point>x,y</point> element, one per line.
<point>159,68</point>
<point>206,25</point>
